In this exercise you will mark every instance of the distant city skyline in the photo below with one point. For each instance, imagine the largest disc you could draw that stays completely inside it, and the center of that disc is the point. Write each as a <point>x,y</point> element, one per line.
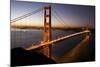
<point>72,15</point>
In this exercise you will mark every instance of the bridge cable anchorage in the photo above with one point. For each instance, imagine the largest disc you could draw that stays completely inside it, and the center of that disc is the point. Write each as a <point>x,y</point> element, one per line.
<point>26,15</point>
<point>58,39</point>
<point>59,17</point>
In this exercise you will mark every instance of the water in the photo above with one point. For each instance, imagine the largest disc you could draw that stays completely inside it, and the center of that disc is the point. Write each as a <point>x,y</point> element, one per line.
<point>25,38</point>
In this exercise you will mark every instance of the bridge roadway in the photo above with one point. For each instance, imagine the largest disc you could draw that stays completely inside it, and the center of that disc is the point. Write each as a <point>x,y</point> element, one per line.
<point>57,40</point>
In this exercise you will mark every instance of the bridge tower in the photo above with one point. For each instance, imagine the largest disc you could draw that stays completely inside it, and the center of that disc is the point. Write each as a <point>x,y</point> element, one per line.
<point>47,31</point>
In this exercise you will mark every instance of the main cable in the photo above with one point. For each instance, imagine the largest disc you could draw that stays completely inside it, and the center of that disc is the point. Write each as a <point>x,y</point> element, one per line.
<point>26,15</point>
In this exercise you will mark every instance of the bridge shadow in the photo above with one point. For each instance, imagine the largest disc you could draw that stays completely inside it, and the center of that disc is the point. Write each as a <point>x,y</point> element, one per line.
<point>80,53</point>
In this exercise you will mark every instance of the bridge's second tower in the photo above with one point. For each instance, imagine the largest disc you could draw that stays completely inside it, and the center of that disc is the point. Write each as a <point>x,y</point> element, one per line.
<point>47,31</point>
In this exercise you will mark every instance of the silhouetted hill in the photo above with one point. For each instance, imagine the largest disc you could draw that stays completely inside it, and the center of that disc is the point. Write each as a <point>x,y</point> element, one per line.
<point>21,57</point>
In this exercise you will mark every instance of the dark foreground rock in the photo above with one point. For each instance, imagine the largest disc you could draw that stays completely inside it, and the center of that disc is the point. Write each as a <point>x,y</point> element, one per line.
<point>21,57</point>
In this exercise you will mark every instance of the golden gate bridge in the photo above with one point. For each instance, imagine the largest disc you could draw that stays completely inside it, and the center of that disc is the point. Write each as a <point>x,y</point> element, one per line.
<point>47,42</point>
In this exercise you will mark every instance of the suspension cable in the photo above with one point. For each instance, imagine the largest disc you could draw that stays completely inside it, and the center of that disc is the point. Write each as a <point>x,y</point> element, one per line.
<point>26,15</point>
<point>62,21</point>
<point>56,17</point>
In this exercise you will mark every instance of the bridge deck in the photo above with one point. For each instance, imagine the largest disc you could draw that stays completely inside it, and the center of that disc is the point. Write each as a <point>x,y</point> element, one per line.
<point>56,40</point>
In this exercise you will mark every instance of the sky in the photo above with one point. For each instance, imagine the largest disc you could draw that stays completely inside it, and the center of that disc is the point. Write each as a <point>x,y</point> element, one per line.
<point>72,15</point>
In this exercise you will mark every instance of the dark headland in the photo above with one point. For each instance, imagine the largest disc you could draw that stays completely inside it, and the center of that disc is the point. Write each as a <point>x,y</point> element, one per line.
<point>21,57</point>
